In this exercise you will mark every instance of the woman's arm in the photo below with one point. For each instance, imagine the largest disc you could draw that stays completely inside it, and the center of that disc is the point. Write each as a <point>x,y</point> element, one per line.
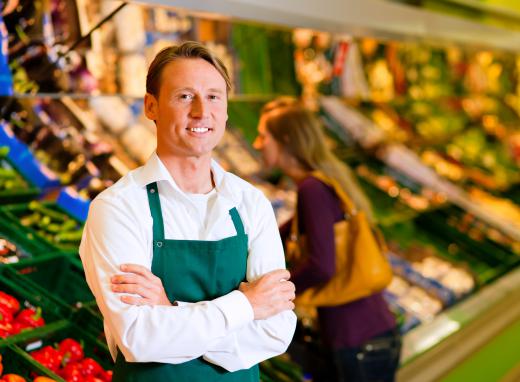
<point>318,210</point>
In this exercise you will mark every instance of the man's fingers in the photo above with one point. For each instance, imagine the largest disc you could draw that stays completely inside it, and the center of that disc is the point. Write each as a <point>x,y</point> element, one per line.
<point>131,300</point>
<point>242,287</point>
<point>278,274</point>
<point>286,286</point>
<point>133,289</point>
<point>138,270</point>
<point>128,278</point>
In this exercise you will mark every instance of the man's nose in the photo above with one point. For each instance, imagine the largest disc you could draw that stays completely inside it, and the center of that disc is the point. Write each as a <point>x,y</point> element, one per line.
<point>198,108</point>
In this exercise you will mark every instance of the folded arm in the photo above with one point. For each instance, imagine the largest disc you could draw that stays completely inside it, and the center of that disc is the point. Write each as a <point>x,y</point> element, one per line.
<point>148,329</point>
<point>143,333</point>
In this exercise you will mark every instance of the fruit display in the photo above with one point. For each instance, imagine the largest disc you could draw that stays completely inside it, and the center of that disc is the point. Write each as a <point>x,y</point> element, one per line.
<point>14,320</point>
<point>413,299</point>
<point>67,359</point>
<point>56,128</point>
<point>414,196</point>
<point>21,372</point>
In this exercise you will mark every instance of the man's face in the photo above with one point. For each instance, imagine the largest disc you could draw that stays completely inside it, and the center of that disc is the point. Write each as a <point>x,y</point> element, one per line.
<point>190,110</point>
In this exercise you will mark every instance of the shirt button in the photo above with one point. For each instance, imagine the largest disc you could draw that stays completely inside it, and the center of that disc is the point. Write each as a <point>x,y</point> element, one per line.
<point>159,244</point>
<point>152,191</point>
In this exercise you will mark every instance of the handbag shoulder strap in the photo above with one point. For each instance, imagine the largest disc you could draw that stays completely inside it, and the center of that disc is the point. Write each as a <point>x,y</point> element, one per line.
<point>348,205</point>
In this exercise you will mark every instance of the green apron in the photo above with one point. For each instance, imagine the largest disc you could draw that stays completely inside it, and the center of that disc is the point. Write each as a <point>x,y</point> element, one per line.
<point>191,271</point>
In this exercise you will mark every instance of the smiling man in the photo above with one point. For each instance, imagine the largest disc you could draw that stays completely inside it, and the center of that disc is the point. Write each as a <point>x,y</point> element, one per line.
<point>184,258</point>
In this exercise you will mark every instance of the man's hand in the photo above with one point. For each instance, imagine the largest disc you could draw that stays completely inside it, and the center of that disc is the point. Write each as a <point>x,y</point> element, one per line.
<point>270,294</point>
<point>139,281</point>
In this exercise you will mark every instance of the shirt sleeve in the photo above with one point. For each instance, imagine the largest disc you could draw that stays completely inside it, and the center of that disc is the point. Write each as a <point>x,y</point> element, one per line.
<point>260,339</point>
<point>168,334</point>
<point>317,210</point>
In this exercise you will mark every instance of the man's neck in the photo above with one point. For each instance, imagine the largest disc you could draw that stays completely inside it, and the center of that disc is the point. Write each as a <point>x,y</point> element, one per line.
<point>192,175</point>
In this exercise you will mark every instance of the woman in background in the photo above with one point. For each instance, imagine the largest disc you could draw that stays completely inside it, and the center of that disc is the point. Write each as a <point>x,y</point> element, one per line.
<point>360,336</point>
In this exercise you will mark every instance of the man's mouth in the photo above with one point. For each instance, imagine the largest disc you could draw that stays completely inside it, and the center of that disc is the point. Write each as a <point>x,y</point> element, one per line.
<point>199,129</point>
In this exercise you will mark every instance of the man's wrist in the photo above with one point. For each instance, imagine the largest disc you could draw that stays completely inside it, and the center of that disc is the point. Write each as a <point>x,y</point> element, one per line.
<point>236,308</point>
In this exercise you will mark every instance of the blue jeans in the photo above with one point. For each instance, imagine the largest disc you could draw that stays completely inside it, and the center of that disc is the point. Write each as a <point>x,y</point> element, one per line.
<point>376,360</point>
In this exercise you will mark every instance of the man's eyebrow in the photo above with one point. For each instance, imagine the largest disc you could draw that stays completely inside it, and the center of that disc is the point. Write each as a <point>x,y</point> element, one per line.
<point>184,89</point>
<point>216,90</point>
<point>212,90</point>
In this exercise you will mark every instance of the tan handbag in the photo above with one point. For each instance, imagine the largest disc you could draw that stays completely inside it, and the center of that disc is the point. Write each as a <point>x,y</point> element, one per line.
<point>361,267</point>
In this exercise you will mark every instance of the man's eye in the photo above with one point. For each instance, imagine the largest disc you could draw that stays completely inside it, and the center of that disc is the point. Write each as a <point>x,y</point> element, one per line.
<point>213,97</point>
<point>187,97</point>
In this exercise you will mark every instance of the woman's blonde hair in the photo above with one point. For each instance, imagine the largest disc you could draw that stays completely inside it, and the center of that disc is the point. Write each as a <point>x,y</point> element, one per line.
<point>300,132</point>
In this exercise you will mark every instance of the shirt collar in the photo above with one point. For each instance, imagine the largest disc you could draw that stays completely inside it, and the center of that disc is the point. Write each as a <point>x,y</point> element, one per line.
<point>154,170</point>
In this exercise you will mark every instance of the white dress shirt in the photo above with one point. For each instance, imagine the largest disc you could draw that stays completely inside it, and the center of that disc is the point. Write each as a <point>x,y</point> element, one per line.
<point>223,331</point>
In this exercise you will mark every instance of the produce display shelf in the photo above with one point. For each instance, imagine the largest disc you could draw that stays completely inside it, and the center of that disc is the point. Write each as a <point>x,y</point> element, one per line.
<point>38,228</point>
<point>55,276</point>
<point>92,348</point>
<point>16,361</point>
<point>434,348</point>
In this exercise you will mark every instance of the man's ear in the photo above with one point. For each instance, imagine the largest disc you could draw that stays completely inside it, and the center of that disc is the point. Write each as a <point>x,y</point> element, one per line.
<point>150,106</point>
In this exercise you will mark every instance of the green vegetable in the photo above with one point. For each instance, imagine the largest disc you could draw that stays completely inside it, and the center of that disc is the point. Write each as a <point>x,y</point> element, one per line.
<point>37,206</point>
<point>30,220</point>
<point>68,237</point>
<point>4,151</point>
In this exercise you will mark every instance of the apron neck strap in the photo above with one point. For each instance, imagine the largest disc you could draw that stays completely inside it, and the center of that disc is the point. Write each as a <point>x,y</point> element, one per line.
<point>155,209</point>
<point>237,221</point>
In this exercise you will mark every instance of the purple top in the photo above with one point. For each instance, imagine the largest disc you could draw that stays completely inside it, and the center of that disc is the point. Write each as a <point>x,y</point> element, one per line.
<point>346,325</point>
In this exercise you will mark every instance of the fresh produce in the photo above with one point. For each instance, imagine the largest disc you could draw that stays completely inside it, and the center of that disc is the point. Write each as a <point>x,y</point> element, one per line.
<point>55,226</point>
<point>71,350</point>
<point>68,360</point>
<point>48,357</point>
<point>11,377</point>
<point>280,369</point>
<point>9,302</point>
<point>12,321</point>
<point>10,179</point>
<point>30,318</point>
<point>10,253</point>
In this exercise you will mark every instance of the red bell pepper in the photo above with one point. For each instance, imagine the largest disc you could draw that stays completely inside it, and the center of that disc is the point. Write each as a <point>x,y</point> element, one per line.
<point>10,302</point>
<point>5,314</point>
<point>17,327</point>
<point>30,318</point>
<point>13,378</point>
<point>91,378</point>
<point>48,357</point>
<point>106,376</point>
<point>6,329</point>
<point>71,350</point>
<point>71,373</point>
<point>90,367</point>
